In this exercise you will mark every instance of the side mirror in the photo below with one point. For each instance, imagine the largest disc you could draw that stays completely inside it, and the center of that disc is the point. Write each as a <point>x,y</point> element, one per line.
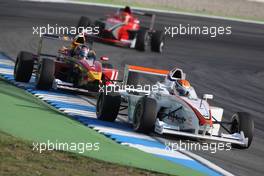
<point>104,58</point>
<point>208,96</point>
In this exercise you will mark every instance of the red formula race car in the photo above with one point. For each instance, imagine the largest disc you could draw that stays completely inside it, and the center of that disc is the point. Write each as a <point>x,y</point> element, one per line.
<point>124,29</point>
<point>75,68</point>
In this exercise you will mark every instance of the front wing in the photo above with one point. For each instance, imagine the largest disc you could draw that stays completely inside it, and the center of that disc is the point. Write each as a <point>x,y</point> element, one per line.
<point>236,138</point>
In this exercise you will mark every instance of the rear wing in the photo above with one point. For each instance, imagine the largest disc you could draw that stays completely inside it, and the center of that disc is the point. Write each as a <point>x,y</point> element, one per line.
<point>67,38</point>
<point>49,37</point>
<point>138,79</point>
<point>137,75</point>
<point>151,15</point>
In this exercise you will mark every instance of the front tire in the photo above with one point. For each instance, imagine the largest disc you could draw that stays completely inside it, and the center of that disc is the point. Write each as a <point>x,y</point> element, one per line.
<point>145,115</point>
<point>157,41</point>
<point>45,75</point>
<point>142,40</point>
<point>242,121</point>
<point>24,66</point>
<point>107,106</point>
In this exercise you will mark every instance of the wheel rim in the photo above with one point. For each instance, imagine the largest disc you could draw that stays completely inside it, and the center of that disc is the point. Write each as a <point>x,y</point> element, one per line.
<point>38,74</point>
<point>100,104</point>
<point>235,127</point>
<point>161,47</point>
<point>16,67</point>
<point>138,115</point>
<point>146,41</point>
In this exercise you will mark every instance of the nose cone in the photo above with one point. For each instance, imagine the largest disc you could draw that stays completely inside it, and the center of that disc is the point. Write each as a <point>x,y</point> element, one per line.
<point>94,75</point>
<point>94,71</point>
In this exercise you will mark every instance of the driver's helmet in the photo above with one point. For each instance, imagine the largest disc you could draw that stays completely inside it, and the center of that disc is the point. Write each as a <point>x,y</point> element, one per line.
<point>127,10</point>
<point>83,52</point>
<point>78,40</point>
<point>91,55</point>
<point>183,87</point>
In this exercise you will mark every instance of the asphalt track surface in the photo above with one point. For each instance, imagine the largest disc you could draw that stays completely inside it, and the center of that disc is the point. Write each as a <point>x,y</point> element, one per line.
<point>230,67</point>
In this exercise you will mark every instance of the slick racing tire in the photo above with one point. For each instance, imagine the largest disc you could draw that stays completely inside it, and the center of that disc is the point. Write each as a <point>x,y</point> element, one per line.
<point>93,86</point>
<point>242,121</point>
<point>45,75</point>
<point>157,41</point>
<point>107,65</point>
<point>145,115</point>
<point>24,66</point>
<point>101,26</point>
<point>142,39</point>
<point>84,22</point>
<point>107,106</point>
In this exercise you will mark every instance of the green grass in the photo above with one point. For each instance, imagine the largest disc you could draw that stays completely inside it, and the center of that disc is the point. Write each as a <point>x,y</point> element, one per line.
<point>27,118</point>
<point>18,159</point>
<point>164,6</point>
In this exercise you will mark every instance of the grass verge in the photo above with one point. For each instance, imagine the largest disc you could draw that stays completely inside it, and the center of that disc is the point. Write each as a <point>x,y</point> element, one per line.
<point>17,159</point>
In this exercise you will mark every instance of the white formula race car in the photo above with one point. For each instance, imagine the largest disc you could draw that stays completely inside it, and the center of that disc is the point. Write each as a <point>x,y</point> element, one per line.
<point>156,105</point>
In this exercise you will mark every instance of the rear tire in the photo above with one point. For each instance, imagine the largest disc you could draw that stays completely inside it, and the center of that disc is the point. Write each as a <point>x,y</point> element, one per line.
<point>24,66</point>
<point>242,121</point>
<point>93,86</point>
<point>142,40</point>
<point>145,115</point>
<point>45,75</point>
<point>101,27</point>
<point>84,22</point>
<point>107,106</point>
<point>157,41</point>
